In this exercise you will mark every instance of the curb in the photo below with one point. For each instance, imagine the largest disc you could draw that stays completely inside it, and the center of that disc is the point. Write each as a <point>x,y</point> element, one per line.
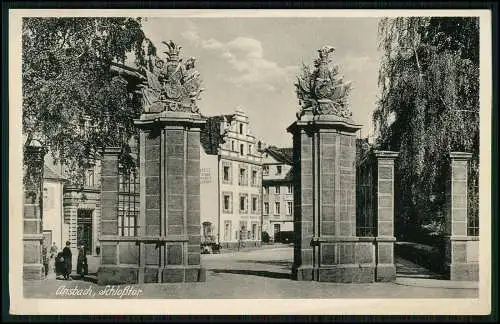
<point>435,283</point>
<point>256,248</point>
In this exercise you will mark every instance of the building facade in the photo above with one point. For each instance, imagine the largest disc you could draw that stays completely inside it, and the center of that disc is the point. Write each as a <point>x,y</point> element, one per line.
<point>73,212</point>
<point>53,210</point>
<point>238,164</point>
<point>277,187</point>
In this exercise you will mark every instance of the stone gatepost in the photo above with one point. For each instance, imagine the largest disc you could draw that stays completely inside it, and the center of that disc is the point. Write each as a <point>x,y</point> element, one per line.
<point>461,250</point>
<point>327,248</point>
<point>167,245</point>
<point>170,197</point>
<point>109,271</point>
<point>324,144</point>
<point>33,268</point>
<point>385,267</point>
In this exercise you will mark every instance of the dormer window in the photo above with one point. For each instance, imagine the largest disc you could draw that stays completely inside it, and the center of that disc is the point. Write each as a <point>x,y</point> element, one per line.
<point>241,128</point>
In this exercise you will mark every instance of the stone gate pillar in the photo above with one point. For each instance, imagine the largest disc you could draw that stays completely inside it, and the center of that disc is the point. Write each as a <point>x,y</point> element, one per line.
<point>461,250</point>
<point>327,248</point>
<point>324,144</point>
<point>384,200</point>
<point>32,213</point>
<point>166,244</point>
<point>109,272</point>
<point>170,197</point>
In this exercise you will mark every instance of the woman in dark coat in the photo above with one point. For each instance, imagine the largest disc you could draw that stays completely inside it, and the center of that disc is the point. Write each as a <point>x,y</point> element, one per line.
<point>67,255</point>
<point>81,266</point>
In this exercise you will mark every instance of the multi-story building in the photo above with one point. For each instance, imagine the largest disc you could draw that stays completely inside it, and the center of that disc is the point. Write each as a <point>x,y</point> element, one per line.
<point>238,187</point>
<point>277,186</point>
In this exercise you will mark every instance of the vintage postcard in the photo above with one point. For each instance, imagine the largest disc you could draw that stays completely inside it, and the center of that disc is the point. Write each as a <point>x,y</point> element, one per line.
<point>250,162</point>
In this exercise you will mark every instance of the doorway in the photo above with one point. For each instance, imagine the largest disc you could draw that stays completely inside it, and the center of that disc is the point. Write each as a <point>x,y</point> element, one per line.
<point>276,232</point>
<point>84,229</point>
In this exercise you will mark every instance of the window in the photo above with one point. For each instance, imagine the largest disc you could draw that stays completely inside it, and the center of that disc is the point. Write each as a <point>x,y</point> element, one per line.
<point>226,173</point>
<point>266,208</point>
<point>232,146</point>
<point>243,203</point>
<point>243,177</point>
<point>277,189</point>
<point>128,203</point>
<point>227,202</point>
<point>289,207</point>
<point>207,229</point>
<point>48,198</point>
<point>241,128</point>
<point>266,190</point>
<point>254,177</point>
<point>254,204</point>
<point>227,230</point>
<point>278,169</point>
<point>126,220</point>
<point>276,208</point>
<point>242,149</point>
<point>254,231</point>
<point>249,149</point>
<point>277,229</point>
<point>89,179</point>
<point>265,169</point>
<point>243,230</point>
<point>290,189</point>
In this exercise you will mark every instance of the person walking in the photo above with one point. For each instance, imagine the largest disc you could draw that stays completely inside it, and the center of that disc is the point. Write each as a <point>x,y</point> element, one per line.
<point>54,249</point>
<point>82,265</point>
<point>67,255</point>
<point>53,255</point>
<point>45,259</point>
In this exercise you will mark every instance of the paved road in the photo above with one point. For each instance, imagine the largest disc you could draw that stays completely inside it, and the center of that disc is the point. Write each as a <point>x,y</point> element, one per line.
<point>254,274</point>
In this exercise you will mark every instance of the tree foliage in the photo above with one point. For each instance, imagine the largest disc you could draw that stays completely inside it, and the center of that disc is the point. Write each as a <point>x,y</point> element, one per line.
<point>72,102</point>
<point>428,107</point>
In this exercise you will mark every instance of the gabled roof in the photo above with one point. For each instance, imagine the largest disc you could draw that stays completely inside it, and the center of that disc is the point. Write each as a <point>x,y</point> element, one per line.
<point>284,155</point>
<point>49,173</point>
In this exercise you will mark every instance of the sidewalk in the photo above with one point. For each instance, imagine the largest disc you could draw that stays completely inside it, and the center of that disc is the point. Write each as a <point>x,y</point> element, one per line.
<point>255,248</point>
<point>436,283</point>
<point>259,274</point>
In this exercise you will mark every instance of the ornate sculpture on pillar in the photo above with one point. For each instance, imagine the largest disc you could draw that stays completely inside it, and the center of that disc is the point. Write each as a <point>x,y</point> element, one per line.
<point>172,85</point>
<point>322,91</point>
<point>324,143</point>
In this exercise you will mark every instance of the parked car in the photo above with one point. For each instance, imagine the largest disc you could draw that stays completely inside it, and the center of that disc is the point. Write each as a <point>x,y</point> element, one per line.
<point>285,237</point>
<point>210,248</point>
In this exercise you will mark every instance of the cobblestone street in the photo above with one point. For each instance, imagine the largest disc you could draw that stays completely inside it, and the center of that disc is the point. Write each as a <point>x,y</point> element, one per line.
<point>263,273</point>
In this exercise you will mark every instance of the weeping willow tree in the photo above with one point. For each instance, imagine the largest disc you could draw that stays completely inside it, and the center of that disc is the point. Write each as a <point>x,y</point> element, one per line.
<point>428,107</point>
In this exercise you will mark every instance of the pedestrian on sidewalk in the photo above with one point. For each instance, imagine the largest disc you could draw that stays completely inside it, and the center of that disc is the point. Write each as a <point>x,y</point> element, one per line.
<point>45,259</point>
<point>53,255</point>
<point>67,255</point>
<point>82,265</point>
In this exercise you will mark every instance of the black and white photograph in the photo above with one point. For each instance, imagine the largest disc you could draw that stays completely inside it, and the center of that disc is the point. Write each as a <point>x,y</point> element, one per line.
<point>270,162</point>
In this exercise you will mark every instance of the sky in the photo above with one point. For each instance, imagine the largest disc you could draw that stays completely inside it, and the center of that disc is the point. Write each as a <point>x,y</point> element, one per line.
<point>252,63</point>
